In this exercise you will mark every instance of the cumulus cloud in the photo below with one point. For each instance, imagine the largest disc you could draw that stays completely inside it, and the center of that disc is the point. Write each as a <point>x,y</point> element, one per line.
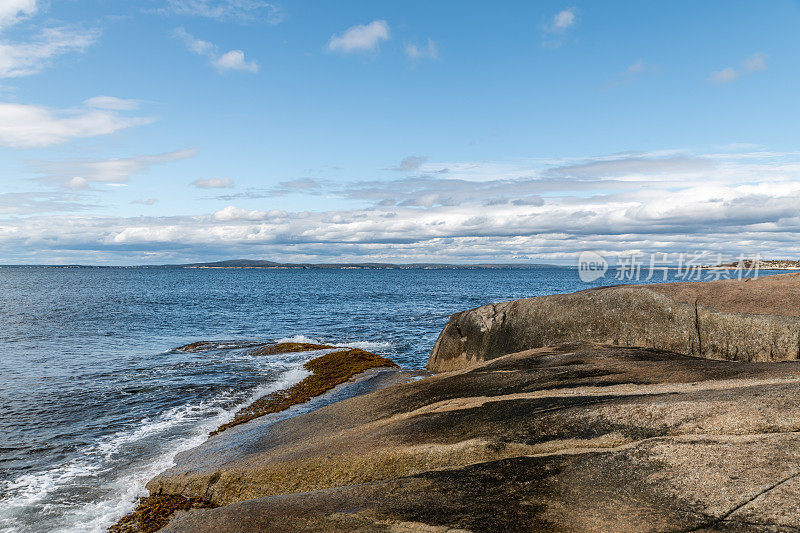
<point>213,183</point>
<point>27,126</point>
<point>362,38</point>
<point>428,51</point>
<point>754,63</point>
<point>227,10</point>
<point>222,61</point>
<point>234,60</point>
<point>82,173</point>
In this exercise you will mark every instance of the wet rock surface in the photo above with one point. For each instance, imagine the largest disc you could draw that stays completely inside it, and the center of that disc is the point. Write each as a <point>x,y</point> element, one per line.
<point>582,437</point>
<point>741,320</point>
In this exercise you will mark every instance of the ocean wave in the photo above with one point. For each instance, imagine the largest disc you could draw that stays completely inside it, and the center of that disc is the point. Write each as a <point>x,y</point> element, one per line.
<point>364,345</point>
<point>117,496</point>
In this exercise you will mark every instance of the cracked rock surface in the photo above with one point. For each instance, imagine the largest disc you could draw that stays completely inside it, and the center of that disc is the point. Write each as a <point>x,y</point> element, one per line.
<point>579,438</point>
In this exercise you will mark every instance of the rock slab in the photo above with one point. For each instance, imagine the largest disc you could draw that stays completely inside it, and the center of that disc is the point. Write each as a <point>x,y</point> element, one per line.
<point>576,438</point>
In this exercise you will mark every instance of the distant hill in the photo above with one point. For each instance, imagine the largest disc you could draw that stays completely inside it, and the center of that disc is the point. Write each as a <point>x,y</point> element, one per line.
<point>259,263</point>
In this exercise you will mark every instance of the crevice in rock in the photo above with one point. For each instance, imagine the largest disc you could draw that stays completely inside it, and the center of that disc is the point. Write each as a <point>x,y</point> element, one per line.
<point>697,328</point>
<point>743,504</point>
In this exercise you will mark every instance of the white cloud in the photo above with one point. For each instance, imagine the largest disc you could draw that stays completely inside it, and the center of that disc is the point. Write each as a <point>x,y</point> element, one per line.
<point>671,201</point>
<point>231,60</point>
<point>360,38</point>
<point>411,163</point>
<point>26,58</point>
<point>27,126</point>
<point>234,213</point>
<point>12,11</point>
<point>429,51</point>
<point>111,103</point>
<point>634,70</point>
<point>556,29</point>
<point>82,173</point>
<point>26,203</point>
<point>145,201</point>
<point>213,183</point>
<point>563,20</point>
<point>754,63</point>
<point>234,60</point>
<point>230,10</point>
<point>725,75</point>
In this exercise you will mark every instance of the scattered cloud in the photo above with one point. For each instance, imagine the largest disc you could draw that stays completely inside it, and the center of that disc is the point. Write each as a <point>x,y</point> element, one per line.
<point>241,11</point>
<point>754,63</point>
<point>429,51</point>
<point>111,103</point>
<point>362,38</point>
<point>26,58</point>
<point>145,201</point>
<point>555,30</point>
<point>234,60</point>
<point>636,69</point>
<point>231,60</point>
<point>13,11</point>
<point>27,203</point>
<point>410,163</point>
<point>562,21</point>
<point>27,126</point>
<point>725,75</point>
<point>82,173</point>
<point>213,183</point>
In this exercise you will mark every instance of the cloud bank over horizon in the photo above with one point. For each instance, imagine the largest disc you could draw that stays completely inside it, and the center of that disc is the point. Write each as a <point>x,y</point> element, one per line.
<point>726,202</point>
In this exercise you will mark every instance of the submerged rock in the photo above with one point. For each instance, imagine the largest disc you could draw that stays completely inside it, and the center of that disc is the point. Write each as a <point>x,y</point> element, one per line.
<point>747,320</point>
<point>258,348</point>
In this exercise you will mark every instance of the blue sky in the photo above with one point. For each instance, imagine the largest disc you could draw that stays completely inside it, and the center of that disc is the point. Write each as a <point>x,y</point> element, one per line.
<point>183,130</point>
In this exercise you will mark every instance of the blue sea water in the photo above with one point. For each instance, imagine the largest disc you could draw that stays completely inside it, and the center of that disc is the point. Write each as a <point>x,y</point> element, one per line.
<point>94,399</point>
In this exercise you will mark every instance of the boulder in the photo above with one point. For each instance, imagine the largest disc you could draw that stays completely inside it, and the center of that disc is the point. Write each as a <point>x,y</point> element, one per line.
<point>740,320</point>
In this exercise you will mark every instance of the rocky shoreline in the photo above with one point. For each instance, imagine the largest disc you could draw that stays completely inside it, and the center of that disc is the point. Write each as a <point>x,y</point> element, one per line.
<point>633,408</point>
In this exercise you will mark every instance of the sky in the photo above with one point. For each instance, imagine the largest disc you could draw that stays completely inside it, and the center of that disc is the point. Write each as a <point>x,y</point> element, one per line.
<point>166,131</point>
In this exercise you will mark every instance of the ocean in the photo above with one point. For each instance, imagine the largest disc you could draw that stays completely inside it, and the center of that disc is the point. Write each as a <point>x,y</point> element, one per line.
<point>95,400</point>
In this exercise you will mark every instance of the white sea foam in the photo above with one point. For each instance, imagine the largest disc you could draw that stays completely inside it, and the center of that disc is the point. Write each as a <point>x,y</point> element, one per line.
<point>364,345</point>
<point>117,495</point>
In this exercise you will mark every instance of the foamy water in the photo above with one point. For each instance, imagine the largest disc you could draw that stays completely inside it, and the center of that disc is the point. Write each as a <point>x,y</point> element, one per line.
<point>111,475</point>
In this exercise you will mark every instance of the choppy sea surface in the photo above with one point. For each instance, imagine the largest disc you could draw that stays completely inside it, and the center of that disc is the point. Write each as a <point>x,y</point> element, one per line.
<point>94,400</point>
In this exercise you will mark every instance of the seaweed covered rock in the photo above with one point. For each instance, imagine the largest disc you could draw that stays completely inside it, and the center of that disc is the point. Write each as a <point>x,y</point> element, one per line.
<point>328,371</point>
